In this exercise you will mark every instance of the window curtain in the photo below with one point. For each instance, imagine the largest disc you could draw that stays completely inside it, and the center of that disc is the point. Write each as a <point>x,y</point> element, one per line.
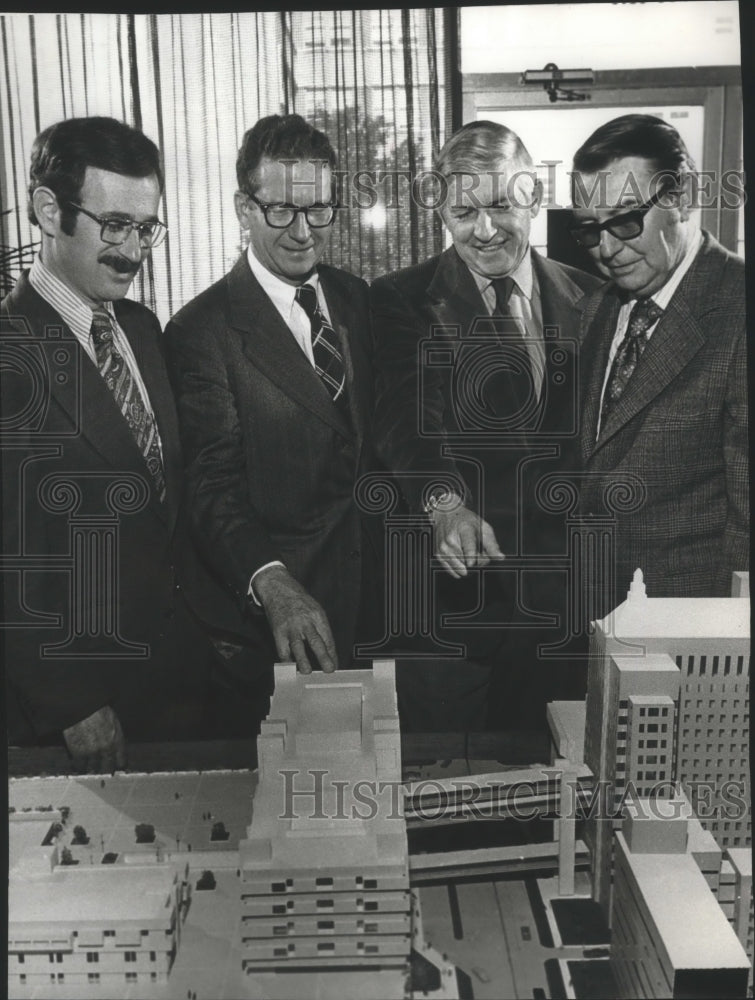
<point>372,79</point>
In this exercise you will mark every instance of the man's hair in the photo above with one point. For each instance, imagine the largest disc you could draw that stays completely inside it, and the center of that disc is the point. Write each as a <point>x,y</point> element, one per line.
<point>280,137</point>
<point>61,154</point>
<point>642,136</point>
<point>479,147</point>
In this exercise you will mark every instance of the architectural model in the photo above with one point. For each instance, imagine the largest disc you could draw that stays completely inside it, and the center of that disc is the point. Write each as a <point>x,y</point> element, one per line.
<point>325,866</point>
<point>296,881</point>
<point>667,702</point>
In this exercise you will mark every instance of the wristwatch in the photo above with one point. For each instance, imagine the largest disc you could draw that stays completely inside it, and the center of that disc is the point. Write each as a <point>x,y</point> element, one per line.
<point>442,499</point>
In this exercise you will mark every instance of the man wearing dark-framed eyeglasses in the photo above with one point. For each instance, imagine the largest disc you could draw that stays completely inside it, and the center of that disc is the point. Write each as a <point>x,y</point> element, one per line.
<point>100,648</point>
<point>663,366</point>
<point>116,229</point>
<point>272,372</point>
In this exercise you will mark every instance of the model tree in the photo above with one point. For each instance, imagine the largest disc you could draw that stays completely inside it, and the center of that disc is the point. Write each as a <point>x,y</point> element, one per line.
<point>145,833</point>
<point>80,835</point>
<point>219,832</point>
<point>206,880</point>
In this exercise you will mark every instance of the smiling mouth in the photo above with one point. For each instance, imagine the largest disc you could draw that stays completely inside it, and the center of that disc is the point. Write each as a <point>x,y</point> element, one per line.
<point>123,268</point>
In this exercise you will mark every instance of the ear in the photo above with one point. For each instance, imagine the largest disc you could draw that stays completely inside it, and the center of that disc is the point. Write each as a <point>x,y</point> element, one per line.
<point>537,197</point>
<point>47,210</point>
<point>686,196</point>
<point>243,209</point>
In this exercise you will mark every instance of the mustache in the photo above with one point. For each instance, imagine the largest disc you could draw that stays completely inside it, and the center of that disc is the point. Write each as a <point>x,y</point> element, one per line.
<point>120,264</point>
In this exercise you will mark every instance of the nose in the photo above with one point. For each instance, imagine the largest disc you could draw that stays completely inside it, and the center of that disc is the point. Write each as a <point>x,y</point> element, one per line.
<point>131,248</point>
<point>484,229</point>
<point>609,245</point>
<point>299,228</point>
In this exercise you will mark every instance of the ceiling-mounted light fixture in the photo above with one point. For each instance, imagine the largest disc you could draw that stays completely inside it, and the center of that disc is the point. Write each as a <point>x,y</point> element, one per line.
<point>551,78</point>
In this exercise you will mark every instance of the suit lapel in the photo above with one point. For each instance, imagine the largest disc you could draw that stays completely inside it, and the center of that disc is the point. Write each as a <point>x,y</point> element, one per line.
<point>594,352</point>
<point>456,297</point>
<point>676,339</point>
<point>86,400</point>
<point>271,347</point>
<point>343,319</point>
<point>155,378</point>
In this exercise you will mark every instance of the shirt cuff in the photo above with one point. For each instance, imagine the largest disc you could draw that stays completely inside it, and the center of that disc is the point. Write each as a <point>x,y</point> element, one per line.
<point>250,592</point>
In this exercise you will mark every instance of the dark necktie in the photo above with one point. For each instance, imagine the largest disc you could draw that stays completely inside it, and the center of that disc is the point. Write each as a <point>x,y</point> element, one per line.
<point>513,326</point>
<point>128,398</point>
<point>642,317</point>
<point>325,350</point>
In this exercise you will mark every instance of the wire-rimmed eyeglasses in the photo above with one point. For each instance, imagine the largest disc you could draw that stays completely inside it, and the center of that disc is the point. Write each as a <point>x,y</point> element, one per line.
<point>627,226</point>
<point>279,215</point>
<point>116,230</point>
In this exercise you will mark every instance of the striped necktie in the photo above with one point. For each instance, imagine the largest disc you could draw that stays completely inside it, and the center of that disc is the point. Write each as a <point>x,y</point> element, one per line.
<point>642,317</point>
<point>328,361</point>
<point>128,398</point>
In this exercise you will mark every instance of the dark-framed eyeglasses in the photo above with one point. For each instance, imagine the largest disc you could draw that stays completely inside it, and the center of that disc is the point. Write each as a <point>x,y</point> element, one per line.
<point>627,226</point>
<point>280,215</point>
<point>116,230</point>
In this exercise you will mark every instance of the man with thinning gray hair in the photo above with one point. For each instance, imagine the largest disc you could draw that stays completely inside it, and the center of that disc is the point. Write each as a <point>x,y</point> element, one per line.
<point>473,403</point>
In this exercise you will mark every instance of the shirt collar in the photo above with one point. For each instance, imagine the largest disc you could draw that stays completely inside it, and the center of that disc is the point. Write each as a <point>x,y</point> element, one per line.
<point>664,294</point>
<point>521,275</point>
<point>282,294</point>
<point>73,310</point>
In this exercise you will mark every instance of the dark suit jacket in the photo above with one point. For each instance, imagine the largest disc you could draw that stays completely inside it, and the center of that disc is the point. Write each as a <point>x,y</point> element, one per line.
<point>59,418</point>
<point>681,428</point>
<point>271,462</point>
<point>429,421</point>
<point>425,403</point>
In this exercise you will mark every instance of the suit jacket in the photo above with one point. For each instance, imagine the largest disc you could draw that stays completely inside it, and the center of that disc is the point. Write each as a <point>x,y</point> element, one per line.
<point>271,462</point>
<point>681,429</point>
<point>426,397</point>
<point>60,420</point>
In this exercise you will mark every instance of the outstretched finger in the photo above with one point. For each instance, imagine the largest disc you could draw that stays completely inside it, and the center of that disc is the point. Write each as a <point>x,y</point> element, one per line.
<point>452,565</point>
<point>490,544</point>
<point>325,653</point>
<point>299,653</point>
<point>469,545</point>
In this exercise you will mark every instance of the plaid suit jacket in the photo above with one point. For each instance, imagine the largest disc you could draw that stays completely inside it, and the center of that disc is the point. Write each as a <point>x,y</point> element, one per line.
<point>680,430</point>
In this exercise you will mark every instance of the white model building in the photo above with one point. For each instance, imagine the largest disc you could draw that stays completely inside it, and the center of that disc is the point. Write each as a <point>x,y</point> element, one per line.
<point>324,870</point>
<point>669,935</point>
<point>667,701</point>
<point>71,925</point>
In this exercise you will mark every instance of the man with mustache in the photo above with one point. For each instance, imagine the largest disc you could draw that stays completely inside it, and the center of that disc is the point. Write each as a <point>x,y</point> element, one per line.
<point>664,365</point>
<point>99,646</point>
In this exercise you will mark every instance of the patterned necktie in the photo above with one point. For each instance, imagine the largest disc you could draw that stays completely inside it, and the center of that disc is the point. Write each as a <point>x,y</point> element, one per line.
<point>644,315</point>
<point>328,360</point>
<point>128,398</point>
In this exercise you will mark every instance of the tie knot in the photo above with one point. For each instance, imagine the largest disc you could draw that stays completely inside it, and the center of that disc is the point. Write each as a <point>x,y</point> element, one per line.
<point>306,296</point>
<point>102,328</point>
<point>644,314</point>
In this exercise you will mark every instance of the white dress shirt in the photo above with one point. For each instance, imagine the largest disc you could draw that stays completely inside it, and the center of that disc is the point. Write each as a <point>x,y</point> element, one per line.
<point>661,298</point>
<point>283,297</point>
<point>78,316</point>
<point>525,306</point>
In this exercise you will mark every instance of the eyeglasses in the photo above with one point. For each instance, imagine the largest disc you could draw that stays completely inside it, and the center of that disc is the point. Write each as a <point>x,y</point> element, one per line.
<point>627,226</point>
<point>280,216</point>
<point>116,231</point>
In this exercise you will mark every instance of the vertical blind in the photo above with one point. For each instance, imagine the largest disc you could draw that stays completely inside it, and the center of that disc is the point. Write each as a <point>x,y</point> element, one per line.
<point>372,79</point>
